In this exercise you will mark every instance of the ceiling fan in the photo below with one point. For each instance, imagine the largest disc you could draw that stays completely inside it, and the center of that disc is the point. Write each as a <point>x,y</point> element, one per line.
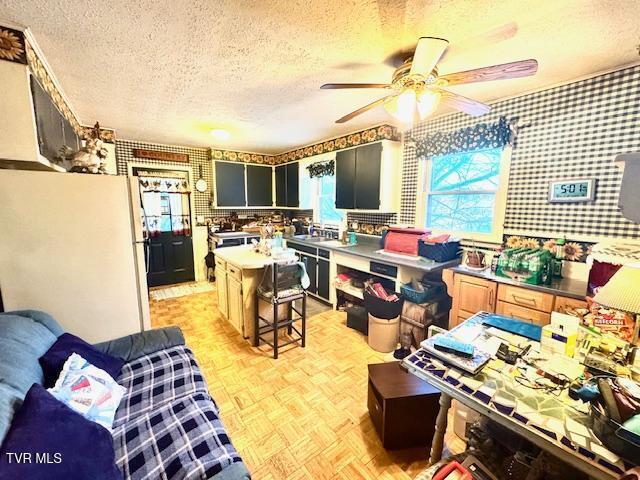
<point>418,88</point>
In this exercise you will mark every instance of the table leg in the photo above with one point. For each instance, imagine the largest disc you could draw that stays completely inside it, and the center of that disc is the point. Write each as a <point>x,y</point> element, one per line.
<point>437,443</point>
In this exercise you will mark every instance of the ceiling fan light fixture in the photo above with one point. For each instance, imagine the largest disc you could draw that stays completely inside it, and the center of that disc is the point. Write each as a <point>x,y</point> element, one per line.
<point>427,103</point>
<point>403,106</point>
<point>220,134</point>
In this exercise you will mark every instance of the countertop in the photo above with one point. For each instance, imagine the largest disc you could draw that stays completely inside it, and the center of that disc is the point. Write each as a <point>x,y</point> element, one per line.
<point>237,234</point>
<point>369,249</point>
<point>565,287</point>
<point>244,257</point>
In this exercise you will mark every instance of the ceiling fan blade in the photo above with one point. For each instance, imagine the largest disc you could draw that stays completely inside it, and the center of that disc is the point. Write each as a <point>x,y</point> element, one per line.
<point>464,104</point>
<point>366,108</point>
<point>428,52</point>
<point>334,86</point>
<point>523,68</point>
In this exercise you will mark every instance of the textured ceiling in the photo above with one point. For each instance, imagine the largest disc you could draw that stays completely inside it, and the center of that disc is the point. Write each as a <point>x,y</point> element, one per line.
<point>169,71</point>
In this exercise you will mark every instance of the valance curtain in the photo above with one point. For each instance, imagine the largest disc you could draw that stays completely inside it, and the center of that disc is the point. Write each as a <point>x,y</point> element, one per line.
<point>320,169</point>
<point>478,137</point>
<point>177,191</point>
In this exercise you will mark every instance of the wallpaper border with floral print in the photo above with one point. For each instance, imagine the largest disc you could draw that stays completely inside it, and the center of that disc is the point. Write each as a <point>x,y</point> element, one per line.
<point>573,251</point>
<point>369,135</point>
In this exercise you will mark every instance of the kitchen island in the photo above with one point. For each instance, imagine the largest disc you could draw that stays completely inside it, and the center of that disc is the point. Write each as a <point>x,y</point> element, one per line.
<point>239,271</point>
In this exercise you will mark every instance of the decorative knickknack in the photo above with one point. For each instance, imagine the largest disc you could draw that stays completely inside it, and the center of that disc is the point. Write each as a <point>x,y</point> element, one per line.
<point>320,169</point>
<point>91,157</point>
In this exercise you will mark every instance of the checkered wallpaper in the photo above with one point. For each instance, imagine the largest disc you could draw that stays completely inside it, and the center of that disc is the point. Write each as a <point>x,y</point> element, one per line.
<point>197,157</point>
<point>576,130</point>
<point>372,218</point>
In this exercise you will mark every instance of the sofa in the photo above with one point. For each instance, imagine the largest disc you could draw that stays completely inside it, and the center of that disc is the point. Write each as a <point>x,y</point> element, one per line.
<point>167,424</point>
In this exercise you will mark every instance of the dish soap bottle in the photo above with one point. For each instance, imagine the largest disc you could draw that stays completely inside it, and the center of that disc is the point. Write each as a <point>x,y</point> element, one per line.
<point>557,265</point>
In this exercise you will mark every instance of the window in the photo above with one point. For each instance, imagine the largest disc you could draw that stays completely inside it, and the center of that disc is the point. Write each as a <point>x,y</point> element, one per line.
<point>463,191</point>
<point>326,206</point>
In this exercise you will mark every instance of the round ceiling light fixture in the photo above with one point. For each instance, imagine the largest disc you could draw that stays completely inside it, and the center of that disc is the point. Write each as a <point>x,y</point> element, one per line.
<point>220,134</point>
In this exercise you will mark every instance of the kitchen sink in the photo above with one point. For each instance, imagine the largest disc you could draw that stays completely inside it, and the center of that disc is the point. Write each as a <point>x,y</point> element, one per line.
<point>311,238</point>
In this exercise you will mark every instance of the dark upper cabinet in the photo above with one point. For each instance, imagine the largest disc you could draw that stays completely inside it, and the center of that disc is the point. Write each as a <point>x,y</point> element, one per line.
<point>287,185</point>
<point>49,123</point>
<point>230,187</point>
<point>293,199</point>
<point>259,186</point>
<point>358,177</point>
<point>323,278</point>
<point>345,178</point>
<point>367,184</point>
<point>281,186</point>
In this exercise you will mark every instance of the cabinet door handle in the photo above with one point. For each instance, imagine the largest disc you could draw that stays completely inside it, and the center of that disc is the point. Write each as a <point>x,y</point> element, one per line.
<point>524,300</point>
<point>490,298</point>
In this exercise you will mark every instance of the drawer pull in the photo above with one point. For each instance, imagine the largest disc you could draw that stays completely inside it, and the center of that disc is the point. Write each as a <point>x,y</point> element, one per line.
<point>524,300</point>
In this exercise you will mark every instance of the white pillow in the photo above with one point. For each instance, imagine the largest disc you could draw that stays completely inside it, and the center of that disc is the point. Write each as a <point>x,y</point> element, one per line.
<point>88,390</point>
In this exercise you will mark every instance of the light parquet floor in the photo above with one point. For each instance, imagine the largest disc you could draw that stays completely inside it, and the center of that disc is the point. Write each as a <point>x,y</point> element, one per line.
<point>301,416</point>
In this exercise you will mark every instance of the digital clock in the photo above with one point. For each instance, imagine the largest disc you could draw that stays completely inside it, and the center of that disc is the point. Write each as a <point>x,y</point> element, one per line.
<point>578,190</point>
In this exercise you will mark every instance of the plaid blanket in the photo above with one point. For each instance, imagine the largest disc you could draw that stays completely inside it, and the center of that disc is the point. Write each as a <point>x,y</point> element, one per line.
<point>155,379</point>
<point>183,439</point>
<point>167,425</point>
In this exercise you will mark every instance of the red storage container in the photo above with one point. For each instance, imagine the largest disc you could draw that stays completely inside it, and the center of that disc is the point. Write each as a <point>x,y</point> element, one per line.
<point>403,240</point>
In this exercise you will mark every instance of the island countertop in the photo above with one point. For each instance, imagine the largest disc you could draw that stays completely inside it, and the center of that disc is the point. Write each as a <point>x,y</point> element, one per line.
<point>244,257</point>
<point>565,287</point>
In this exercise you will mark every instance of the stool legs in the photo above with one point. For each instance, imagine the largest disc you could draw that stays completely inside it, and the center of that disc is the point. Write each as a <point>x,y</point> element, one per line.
<point>275,330</point>
<point>256,325</point>
<point>304,320</point>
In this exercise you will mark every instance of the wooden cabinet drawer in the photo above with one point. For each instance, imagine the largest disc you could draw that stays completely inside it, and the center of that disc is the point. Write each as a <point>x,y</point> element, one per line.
<point>523,313</point>
<point>221,263</point>
<point>565,303</point>
<point>234,271</point>
<point>525,298</point>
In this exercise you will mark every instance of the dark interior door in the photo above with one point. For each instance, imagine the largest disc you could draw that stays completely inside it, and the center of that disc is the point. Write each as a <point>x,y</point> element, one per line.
<point>170,259</point>
<point>170,255</point>
<point>345,178</point>
<point>311,264</point>
<point>230,186</point>
<point>293,199</point>
<point>281,186</point>
<point>367,185</point>
<point>259,186</point>
<point>323,278</point>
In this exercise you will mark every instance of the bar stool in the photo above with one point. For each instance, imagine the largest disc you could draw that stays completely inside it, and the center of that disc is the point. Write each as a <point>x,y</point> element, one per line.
<point>285,291</point>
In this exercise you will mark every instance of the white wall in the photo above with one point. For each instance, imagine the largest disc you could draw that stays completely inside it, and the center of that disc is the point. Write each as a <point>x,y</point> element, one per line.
<point>18,139</point>
<point>66,247</point>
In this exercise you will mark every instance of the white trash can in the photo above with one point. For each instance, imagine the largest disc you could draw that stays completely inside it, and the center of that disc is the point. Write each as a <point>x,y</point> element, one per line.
<point>383,334</point>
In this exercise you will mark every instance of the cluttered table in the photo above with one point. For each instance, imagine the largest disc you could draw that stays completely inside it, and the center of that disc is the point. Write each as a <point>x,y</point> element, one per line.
<point>513,396</point>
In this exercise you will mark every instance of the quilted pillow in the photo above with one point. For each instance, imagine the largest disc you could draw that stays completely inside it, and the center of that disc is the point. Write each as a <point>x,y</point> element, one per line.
<point>47,440</point>
<point>88,390</point>
<point>65,345</point>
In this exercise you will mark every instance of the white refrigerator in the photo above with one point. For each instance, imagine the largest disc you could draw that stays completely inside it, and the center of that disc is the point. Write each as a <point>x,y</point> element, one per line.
<point>72,245</point>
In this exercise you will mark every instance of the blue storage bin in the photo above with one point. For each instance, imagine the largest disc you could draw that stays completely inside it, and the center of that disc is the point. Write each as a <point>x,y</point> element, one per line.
<point>439,252</point>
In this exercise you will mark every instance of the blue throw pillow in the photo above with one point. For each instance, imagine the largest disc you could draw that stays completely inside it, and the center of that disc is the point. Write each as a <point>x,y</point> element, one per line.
<point>49,441</point>
<point>66,344</point>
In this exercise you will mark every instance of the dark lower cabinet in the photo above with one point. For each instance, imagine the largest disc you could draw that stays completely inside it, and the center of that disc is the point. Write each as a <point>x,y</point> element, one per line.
<point>358,177</point>
<point>311,264</point>
<point>323,278</point>
<point>259,186</point>
<point>230,187</point>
